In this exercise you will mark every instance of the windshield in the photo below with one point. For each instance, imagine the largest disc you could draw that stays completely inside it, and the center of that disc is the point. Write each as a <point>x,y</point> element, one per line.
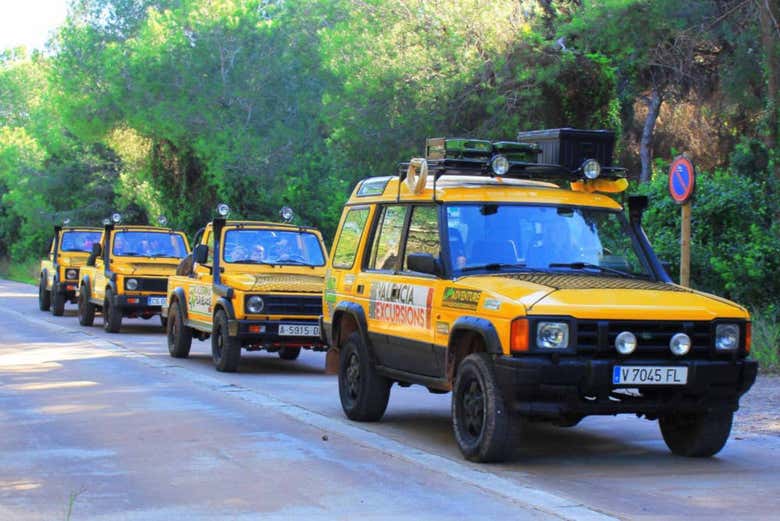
<point>258,246</point>
<point>149,244</point>
<point>79,241</point>
<point>497,237</point>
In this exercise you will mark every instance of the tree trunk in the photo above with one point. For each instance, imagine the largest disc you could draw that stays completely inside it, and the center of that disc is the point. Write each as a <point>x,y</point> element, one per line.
<point>653,103</point>
<point>769,12</point>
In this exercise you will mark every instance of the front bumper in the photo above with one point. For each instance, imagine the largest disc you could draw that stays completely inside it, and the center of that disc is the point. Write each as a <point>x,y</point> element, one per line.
<point>266,333</point>
<point>541,387</point>
<point>138,302</point>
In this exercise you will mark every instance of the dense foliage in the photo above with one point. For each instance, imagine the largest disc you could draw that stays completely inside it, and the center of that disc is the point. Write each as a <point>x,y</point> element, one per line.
<point>152,107</point>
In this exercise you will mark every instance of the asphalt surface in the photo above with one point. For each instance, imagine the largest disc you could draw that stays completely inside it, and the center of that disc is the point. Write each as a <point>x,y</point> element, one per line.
<point>99,426</point>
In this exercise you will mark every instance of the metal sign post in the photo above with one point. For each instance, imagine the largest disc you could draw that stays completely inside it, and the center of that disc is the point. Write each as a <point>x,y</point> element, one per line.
<point>682,180</point>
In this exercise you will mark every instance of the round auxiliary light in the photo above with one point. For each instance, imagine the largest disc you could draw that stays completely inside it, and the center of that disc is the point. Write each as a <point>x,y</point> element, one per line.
<point>591,168</point>
<point>286,213</point>
<point>625,343</point>
<point>66,222</point>
<point>71,274</point>
<point>131,284</point>
<point>499,164</point>
<point>106,221</point>
<point>680,344</point>
<point>255,304</point>
<point>223,210</point>
<point>116,217</point>
<point>162,220</point>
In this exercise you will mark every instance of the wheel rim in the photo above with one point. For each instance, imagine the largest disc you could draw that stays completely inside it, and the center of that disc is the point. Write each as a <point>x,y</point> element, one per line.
<point>473,406</point>
<point>353,376</point>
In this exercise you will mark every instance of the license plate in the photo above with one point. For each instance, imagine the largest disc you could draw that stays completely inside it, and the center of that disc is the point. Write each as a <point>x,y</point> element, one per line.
<point>157,301</point>
<point>298,330</point>
<point>649,375</point>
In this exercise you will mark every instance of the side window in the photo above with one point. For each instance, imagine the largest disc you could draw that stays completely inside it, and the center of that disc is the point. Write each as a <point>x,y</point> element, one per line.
<point>210,244</point>
<point>351,231</point>
<point>423,236</point>
<point>387,240</point>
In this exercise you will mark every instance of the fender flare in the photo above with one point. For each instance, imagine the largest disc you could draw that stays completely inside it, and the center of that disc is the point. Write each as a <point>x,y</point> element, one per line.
<point>480,326</point>
<point>85,286</point>
<point>358,315</point>
<point>44,276</point>
<point>181,298</point>
<point>226,305</point>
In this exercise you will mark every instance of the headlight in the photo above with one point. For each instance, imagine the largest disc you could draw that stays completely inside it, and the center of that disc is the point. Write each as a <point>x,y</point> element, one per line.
<point>71,274</point>
<point>625,343</point>
<point>552,335</point>
<point>131,284</point>
<point>680,344</point>
<point>255,304</point>
<point>726,337</point>
<point>499,164</point>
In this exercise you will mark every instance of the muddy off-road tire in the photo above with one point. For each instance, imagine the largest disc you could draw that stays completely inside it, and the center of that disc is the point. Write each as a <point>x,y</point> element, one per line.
<point>225,350</point>
<point>696,435</point>
<point>44,295</point>
<point>289,353</point>
<point>86,310</point>
<point>364,393</point>
<point>112,316</point>
<point>57,301</point>
<point>484,427</point>
<point>179,335</point>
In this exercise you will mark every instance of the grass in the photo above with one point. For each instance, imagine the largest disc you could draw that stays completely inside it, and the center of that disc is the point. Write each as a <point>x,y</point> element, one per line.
<point>766,339</point>
<point>26,271</point>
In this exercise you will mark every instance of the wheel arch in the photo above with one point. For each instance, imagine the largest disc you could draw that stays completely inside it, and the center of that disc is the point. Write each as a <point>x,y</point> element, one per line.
<point>470,335</point>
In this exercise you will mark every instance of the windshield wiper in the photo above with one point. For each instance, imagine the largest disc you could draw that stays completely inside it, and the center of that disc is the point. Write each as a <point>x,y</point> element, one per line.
<point>588,265</point>
<point>493,266</point>
<point>296,262</point>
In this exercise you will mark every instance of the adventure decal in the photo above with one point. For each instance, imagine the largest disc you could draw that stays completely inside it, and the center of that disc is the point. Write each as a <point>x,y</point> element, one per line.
<point>401,304</point>
<point>460,298</point>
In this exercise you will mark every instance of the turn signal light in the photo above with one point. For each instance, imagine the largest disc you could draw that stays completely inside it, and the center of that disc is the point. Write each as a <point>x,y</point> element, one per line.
<point>748,336</point>
<point>518,335</point>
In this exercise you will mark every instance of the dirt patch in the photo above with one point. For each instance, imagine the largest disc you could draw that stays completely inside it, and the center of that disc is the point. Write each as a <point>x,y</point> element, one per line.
<point>759,409</point>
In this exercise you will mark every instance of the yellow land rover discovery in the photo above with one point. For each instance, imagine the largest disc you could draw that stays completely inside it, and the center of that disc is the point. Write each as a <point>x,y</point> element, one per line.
<point>253,285</point>
<point>471,272</point>
<point>59,274</point>
<point>127,273</point>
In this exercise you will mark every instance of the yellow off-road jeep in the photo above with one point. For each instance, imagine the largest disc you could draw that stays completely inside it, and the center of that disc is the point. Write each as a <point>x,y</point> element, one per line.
<point>59,275</point>
<point>470,272</point>
<point>127,273</point>
<point>253,285</point>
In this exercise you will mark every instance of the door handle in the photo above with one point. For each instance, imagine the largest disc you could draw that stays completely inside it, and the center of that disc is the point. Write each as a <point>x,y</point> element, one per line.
<point>359,288</point>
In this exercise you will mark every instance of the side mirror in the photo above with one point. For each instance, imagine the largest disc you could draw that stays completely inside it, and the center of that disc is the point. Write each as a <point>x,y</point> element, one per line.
<point>422,263</point>
<point>200,253</point>
<point>97,249</point>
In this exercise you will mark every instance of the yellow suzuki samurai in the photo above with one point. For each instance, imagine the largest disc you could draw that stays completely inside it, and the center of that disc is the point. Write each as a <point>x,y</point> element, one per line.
<point>59,274</point>
<point>516,283</point>
<point>127,273</point>
<point>253,285</point>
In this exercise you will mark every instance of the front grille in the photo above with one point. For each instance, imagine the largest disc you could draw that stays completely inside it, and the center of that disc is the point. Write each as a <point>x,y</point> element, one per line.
<point>292,305</point>
<point>598,336</point>
<point>149,284</point>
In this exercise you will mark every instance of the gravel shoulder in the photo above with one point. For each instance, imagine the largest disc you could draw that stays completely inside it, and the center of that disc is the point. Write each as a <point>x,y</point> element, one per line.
<point>759,410</point>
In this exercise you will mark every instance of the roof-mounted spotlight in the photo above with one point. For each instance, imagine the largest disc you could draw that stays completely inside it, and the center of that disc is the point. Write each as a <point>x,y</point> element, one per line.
<point>66,221</point>
<point>287,214</point>
<point>106,221</point>
<point>499,164</point>
<point>591,168</point>
<point>116,218</point>
<point>223,210</point>
<point>162,220</point>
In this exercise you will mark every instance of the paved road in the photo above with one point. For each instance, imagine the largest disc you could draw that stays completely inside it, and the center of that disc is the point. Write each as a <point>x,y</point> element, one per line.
<point>109,427</point>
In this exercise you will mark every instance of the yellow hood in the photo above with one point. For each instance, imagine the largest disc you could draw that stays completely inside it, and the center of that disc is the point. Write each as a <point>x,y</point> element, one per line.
<point>593,297</point>
<point>281,282</point>
<point>160,268</point>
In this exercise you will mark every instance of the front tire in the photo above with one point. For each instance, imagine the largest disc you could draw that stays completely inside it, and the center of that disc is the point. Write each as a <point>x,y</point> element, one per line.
<point>289,353</point>
<point>86,308</point>
<point>44,295</point>
<point>112,316</point>
<point>57,302</point>
<point>482,423</point>
<point>364,393</point>
<point>179,335</point>
<point>696,435</point>
<point>225,350</point>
